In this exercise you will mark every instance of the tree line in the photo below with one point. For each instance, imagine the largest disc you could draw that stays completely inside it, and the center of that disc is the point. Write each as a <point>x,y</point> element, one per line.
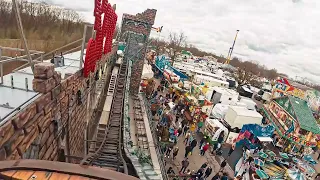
<point>40,21</point>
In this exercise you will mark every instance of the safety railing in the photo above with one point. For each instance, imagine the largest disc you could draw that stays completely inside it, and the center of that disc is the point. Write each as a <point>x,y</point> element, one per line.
<point>153,125</point>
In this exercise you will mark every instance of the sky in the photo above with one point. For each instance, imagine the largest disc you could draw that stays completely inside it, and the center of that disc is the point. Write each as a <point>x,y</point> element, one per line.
<point>281,34</point>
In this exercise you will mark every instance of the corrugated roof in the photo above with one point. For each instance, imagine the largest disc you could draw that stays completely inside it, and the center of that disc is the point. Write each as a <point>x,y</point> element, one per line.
<point>13,99</point>
<point>304,115</point>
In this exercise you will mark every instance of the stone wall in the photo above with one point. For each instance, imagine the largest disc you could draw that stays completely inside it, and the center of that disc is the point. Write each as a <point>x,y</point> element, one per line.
<point>139,24</point>
<point>56,120</point>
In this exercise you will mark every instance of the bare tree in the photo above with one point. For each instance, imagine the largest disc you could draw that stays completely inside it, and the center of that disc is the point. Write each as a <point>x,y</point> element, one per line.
<point>175,42</point>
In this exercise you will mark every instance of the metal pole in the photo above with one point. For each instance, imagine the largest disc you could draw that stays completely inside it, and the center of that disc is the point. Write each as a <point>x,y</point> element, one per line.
<point>82,45</point>
<point>26,81</point>
<point>1,72</point>
<point>22,33</point>
<point>1,67</point>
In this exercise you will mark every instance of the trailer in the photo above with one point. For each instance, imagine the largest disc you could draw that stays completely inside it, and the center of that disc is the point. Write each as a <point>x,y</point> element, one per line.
<point>222,95</point>
<point>236,117</point>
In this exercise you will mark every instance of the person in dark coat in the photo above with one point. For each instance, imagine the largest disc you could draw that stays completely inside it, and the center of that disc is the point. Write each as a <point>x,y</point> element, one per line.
<point>188,150</point>
<point>200,173</point>
<point>170,171</point>
<point>193,144</point>
<point>208,172</point>
<point>179,131</point>
<point>203,140</point>
<point>204,165</point>
<point>185,164</point>
<point>185,129</point>
<point>175,152</point>
<point>223,164</point>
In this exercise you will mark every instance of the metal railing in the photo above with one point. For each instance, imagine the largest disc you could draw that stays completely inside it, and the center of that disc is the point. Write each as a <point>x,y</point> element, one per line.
<point>158,148</point>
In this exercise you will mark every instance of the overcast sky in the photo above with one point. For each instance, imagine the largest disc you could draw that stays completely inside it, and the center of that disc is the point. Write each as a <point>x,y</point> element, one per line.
<point>281,34</point>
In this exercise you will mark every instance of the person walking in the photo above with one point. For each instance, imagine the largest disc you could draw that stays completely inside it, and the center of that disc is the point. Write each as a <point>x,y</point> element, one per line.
<point>170,171</point>
<point>193,144</point>
<point>175,153</point>
<point>186,138</point>
<point>169,149</point>
<point>188,150</point>
<point>179,131</point>
<point>185,164</point>
<point>203,140</point>
<point>204,165</point>
<point>200,173</point>
<point>204,149</point>
<point>223,165</point>
<point>185,129</point>
<point>208,172</point>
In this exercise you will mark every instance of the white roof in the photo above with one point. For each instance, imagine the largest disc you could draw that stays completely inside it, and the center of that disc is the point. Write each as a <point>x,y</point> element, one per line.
<point>18,96</point>
<point>208,74</point>
<point>217,123</point>
<point>226,91</point>
<point>211,79</point>
<point>242,111</point>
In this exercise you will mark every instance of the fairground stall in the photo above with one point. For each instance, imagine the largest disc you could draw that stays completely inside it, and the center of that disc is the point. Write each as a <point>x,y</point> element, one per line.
<point>296,126</point>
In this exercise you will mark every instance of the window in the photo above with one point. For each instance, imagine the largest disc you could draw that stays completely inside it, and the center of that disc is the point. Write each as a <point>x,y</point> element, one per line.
<point>230,99</point>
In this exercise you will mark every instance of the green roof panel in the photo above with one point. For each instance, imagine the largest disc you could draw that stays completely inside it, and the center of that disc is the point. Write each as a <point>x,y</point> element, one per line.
<point>304,115</point>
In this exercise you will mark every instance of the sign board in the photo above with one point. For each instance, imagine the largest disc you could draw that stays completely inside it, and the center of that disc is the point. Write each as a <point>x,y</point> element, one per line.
<point>281,89</point>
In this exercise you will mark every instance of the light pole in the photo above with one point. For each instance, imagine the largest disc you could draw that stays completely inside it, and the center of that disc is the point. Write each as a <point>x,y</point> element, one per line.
<point>231,50</point>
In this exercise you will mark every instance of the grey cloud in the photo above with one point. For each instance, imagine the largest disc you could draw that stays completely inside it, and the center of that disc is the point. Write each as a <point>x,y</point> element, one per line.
<point>279,34</point>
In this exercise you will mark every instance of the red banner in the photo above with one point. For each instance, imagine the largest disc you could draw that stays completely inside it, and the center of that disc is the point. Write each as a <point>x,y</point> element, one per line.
<point>104,35</point>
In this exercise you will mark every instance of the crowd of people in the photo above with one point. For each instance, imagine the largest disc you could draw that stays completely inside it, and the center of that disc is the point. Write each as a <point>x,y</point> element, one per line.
<point>171,119</point>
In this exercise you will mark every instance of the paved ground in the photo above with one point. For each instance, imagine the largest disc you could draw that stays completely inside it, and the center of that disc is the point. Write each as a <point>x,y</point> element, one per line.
<point>196,160</point>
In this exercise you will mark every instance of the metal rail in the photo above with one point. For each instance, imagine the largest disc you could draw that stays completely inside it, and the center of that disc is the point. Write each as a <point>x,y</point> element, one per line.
<point>109,146</point>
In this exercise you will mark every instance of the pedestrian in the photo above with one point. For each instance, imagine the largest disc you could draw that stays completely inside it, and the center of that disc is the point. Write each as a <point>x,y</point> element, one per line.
<point>186,138</point>
<point>185,129</point>
<point>190,139</point>
<point>204,165</point>
<point>179,131</point>
<point>168,152</point>
<point>185,164</point>
<point>204,149</point>
<point>224,176</point>
<point>317,176</point>
<point>188,150</point>
<point>175,153</point>
<point>217,176</point>
<point>193,144</point>
<point>203,140</point>
<point>223,164</point>
<point>170,171</point>
<point>231,151</point>
<point>208,172</point>
<point>200,173</point>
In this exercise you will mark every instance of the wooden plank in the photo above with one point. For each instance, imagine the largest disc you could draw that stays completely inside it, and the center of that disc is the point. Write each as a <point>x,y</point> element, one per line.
<point>58,176</point>
<point>7,174</point>
<point>41,175</point>
<point>74,177</point>
<point>22,174</point>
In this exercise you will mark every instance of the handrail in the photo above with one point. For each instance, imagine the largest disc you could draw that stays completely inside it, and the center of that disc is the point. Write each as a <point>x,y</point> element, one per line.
<point>155,138</point>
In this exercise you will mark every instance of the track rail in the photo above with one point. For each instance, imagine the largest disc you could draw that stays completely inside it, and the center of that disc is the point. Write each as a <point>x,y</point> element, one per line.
<point>108,152</point>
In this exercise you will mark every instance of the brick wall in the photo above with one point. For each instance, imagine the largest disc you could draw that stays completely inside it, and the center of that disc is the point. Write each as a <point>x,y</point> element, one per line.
<point>140,23</point>
<point>56,120</point>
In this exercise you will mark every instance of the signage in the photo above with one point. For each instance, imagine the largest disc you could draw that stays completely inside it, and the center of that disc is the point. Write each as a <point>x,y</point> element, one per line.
<point>288,90</point>
<point>102,43</point>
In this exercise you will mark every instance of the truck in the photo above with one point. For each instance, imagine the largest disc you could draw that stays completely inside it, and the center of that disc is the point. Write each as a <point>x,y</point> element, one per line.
<point>222,95</point>
<point>236,117</point>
